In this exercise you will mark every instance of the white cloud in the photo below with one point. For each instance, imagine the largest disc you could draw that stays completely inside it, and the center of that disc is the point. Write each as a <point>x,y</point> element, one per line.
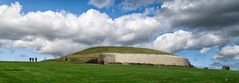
<point>204,50</point>
<point>42,45</point>
<point>228,53</point>
<point>203,14</point>
<point>18,44</point>
<point>200,40</point>
<point>138,28</point>
<point>46,30</point>
<point>138,4</point>
<point>52,32</point>
<point>216,22</point>
<point>4,42</point>
<point>102,3</point>
<point>57,46</point>
<point>180,40</point>
<point>172,42</point>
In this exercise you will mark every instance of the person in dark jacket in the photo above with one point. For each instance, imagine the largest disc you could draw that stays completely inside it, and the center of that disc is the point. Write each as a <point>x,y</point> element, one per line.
<point>35,59</point>
<point>65,59</point>
<point>32,59</point>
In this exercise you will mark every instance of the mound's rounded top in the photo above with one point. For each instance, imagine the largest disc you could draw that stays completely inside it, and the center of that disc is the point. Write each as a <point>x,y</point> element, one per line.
<point>121,49</point>
<point>93,53</point>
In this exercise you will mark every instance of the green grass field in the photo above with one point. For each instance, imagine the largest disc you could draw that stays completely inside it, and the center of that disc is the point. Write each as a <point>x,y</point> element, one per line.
<point>46,72</point>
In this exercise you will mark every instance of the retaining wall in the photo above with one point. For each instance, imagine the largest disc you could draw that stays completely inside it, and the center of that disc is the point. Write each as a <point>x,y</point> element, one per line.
<point>155,59</point>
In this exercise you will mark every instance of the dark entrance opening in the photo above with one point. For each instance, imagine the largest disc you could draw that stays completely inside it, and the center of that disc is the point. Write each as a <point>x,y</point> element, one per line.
<point>92,60</point>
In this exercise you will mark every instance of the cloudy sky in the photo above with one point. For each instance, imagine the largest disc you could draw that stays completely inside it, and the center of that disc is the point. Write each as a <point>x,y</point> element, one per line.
<point>204,31</point>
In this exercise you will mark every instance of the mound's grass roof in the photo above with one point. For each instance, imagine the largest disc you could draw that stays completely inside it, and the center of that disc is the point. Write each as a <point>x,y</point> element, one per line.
<point>84,55</point>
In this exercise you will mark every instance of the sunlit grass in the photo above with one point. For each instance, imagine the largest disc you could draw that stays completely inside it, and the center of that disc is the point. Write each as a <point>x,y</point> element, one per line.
<point>45,72</point>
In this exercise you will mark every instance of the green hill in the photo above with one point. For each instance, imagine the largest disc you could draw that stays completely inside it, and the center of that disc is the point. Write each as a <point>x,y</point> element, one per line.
<point>87,54</point>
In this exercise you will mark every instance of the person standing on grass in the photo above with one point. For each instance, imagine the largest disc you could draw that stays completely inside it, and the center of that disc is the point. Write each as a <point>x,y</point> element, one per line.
<point>65,59</point>
<point>30,59</point>
<point>35,59</point>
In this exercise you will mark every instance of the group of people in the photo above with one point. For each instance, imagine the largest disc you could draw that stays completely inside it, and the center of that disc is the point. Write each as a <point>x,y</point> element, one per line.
<point>31,59</point>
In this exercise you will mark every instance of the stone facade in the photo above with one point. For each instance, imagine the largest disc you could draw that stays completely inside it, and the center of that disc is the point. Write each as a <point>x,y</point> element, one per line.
<point>154,59</point>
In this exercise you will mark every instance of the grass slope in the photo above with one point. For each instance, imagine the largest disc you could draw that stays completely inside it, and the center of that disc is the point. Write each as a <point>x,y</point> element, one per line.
<point>120,49</point>
<point>94,52</point>
<point>43,72</point>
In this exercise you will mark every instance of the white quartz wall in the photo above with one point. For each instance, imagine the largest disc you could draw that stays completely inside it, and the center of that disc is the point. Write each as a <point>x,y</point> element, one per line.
<point>145,59</point>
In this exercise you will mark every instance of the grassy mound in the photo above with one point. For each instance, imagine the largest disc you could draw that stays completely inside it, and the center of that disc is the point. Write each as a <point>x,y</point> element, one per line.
<point>87,54</point>
<point>115,49</point>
